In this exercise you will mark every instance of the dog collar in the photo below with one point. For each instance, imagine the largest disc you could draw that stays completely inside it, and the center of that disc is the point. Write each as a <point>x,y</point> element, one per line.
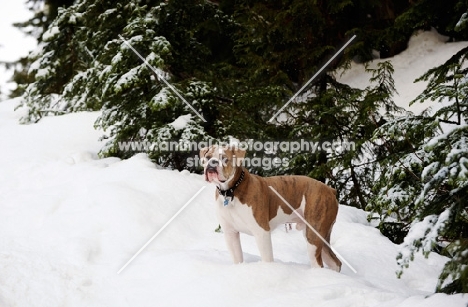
<point>230,192</point>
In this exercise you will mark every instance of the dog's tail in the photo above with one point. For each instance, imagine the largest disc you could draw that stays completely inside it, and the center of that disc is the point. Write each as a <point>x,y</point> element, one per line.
<point>328,256</point>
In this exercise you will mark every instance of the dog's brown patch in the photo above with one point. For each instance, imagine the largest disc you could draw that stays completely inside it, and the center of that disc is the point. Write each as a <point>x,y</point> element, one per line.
<point>321,206</point>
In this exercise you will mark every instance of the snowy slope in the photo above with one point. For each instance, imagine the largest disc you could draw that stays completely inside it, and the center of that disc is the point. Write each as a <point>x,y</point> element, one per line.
<point>69,221</point>
<point>425,51</point>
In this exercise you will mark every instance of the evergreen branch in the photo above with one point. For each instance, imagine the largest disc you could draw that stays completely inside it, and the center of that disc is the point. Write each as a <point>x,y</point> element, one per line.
<point>458,123</point>
<point>224,99</point>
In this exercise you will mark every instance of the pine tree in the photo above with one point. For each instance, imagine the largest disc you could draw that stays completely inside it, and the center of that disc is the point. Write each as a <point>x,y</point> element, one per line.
<point>97,70</point>
<point>246,58</point>
<point>442,202</point>
<point>422,194</point>
<point>236,62</point>
<point>346,117</point>
<point>427,14</point>
<point>45,12</point>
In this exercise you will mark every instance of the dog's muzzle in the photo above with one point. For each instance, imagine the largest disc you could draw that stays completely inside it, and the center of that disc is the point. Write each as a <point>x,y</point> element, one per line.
<point>211,171</point>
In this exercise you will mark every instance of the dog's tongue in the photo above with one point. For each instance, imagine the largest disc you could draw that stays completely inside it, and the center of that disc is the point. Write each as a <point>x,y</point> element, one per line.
<point>211,175</point>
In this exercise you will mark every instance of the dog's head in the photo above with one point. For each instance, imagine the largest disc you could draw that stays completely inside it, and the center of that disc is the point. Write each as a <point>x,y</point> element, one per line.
<point>220,162</point>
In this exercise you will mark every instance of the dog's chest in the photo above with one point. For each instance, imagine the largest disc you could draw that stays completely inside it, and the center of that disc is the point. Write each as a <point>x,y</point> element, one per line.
<point>237,216</point>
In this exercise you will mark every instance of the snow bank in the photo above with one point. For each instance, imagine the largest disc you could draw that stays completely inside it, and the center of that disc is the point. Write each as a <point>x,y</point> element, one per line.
<point>425,50</point>
<point>70,221</point>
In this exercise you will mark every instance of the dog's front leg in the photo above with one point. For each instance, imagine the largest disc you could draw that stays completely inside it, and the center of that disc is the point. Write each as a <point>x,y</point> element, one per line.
<point>263,239</point>
<point>234,246</point>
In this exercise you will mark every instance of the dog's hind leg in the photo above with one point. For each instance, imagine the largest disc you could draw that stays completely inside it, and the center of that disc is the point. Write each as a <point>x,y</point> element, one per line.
<point>329,256</point>
<point>314,249</point>
<point>315,257</point>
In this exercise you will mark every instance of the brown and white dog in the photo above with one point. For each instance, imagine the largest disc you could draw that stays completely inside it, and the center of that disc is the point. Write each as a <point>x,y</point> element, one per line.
<point>246,204</point>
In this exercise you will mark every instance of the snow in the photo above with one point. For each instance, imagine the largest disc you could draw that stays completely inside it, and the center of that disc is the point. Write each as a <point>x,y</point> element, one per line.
<point>126,79</point>
<point>160,98</point>
<point>50,33</point>
<point>463,19</point>
<point>425,50</point>
<point>70,221</point>
<point>181,122</point>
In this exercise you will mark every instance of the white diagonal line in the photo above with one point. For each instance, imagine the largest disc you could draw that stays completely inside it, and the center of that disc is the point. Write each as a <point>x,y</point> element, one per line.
<point>312,228</point>
<point>162,228</point>
<point>161,77</point>
<point>311,79</point>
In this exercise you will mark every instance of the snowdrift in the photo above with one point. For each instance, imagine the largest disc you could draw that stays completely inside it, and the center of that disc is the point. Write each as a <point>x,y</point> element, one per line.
<point>69,221</point>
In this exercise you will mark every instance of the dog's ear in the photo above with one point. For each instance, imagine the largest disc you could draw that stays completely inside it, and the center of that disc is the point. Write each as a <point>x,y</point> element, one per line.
<point>240,155</point>
<point>203,152</point>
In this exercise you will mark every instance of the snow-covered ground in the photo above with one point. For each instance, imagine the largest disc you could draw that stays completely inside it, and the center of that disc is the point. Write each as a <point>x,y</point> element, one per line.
<point>69,221</point>
<point>425,50</point>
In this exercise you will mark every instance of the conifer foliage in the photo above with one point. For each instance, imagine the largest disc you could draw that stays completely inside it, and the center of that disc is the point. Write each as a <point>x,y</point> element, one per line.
<point>237,63</point>
<point>84,65</point>
<point>423,190</point>
<point>45,12</point>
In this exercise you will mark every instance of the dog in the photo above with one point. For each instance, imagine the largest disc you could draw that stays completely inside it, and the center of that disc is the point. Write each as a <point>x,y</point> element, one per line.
<point>246,203</point>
